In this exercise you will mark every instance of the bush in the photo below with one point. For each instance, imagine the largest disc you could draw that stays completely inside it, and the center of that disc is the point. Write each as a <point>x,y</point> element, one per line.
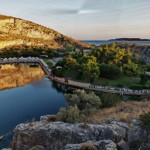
<point>145,121</point>
<point>80,104</point>
<point>69,114</point>
<point>86,102</point>
<point>120,85</point>
<point>109,99</point>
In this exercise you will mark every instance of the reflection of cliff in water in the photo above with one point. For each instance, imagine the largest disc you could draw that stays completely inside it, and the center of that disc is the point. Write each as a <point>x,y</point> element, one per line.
<point>12,76</point>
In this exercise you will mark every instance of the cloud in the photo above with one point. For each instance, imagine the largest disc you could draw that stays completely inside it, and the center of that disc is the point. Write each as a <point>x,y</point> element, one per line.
<point>86,11</point>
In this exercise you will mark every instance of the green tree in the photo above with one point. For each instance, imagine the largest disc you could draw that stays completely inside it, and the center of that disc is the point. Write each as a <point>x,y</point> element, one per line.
<point>69,48</point>
<point>90,69</point>
<point>132,69</point>
<point>110,71</point>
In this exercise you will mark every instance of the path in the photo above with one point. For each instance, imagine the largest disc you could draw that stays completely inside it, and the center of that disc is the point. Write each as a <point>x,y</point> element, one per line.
<point>80,85</point>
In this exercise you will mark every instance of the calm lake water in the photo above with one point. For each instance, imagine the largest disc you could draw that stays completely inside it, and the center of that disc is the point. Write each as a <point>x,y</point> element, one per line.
<point>24,103</point>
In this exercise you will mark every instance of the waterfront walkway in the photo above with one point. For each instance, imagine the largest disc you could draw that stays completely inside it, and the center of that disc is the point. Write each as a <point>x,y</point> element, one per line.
<point>71,83</point>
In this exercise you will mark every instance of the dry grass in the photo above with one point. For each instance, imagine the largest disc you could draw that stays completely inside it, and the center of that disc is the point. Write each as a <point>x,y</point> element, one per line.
<point>125,111</point>
<point>12,76</point>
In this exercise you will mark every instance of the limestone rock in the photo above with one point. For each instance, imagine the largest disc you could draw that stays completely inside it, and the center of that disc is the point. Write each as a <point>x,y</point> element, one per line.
<point>99,145</point>
<point>55,135</point>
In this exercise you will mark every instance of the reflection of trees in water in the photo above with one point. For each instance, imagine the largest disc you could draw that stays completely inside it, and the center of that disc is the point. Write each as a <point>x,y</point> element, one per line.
<point>19,75</point>
<point>62,88</point>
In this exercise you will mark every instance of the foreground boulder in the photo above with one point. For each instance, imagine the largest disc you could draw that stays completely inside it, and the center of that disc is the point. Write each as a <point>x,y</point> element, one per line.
<point>46,135</point>
<point>56,135</point>
<point>100,145</point>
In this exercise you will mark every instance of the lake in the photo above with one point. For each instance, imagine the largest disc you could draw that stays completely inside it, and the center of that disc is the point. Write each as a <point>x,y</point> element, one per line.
<point>24,103</point>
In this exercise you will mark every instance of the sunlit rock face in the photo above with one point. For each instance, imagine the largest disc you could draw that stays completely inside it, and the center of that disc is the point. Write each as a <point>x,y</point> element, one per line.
<point>15,32</point>
<point>12,76</point>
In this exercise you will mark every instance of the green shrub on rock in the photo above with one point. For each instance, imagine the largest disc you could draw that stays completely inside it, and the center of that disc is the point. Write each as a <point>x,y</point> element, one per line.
<point>69,114</point>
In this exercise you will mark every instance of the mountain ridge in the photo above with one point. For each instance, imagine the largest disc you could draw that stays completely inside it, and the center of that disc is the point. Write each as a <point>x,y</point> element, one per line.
<point>16,31</point>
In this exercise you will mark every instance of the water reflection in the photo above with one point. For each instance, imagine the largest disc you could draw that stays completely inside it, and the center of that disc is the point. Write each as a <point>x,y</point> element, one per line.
<point>20,104</point>
<point>12,76</point>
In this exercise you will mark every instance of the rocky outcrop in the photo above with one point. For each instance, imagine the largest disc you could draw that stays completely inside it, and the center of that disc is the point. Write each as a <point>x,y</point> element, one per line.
<point>140,51</point>
<point>100,145</point>
<point>46,135</point>
<point>15,32</point>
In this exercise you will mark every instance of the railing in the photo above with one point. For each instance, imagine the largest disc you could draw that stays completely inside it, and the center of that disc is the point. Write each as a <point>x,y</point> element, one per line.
<point>43,65</point>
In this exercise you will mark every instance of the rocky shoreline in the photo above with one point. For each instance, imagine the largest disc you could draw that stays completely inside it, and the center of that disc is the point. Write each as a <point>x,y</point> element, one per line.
<point>49,135</point>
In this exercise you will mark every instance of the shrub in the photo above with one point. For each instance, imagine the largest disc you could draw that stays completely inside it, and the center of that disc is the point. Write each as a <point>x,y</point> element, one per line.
<point>69,114</point>
<point>109,99</point>
<point>120,85</point>
<point>86,102</point>
<point>88,147</point>
<point>145,121</point>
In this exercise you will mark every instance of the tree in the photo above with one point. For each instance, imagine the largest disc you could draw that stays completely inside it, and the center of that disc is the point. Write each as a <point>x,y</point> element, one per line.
<point>110,71</point>
<point>111,54</point>
<point>69,48</point>
<point>132,69</point>
<point>144,78</point>
<point>90,69</point>
<point>71,61</point>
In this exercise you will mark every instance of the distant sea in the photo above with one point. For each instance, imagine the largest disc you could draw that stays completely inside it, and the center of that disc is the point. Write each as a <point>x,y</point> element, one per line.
<point>101,42</point>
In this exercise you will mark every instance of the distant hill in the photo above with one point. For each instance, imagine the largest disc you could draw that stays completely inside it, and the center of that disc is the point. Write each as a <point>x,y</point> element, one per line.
<point>131,39</point>
<point>19,32</point>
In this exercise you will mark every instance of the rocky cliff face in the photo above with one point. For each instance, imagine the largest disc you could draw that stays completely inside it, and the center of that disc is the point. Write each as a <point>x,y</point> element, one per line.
<point>141,51</point>
<point>44,135</point>
<point>15,31</point>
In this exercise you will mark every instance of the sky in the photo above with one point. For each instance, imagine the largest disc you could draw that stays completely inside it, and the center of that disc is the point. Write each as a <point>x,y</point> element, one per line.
<point>85,19</point>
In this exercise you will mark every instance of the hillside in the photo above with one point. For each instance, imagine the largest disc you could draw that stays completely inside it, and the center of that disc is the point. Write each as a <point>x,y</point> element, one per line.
<point>16,32</point>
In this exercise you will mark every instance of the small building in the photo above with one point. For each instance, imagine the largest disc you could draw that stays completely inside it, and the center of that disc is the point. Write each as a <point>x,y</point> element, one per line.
<point>44,56</point>
<point>147,73</point>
